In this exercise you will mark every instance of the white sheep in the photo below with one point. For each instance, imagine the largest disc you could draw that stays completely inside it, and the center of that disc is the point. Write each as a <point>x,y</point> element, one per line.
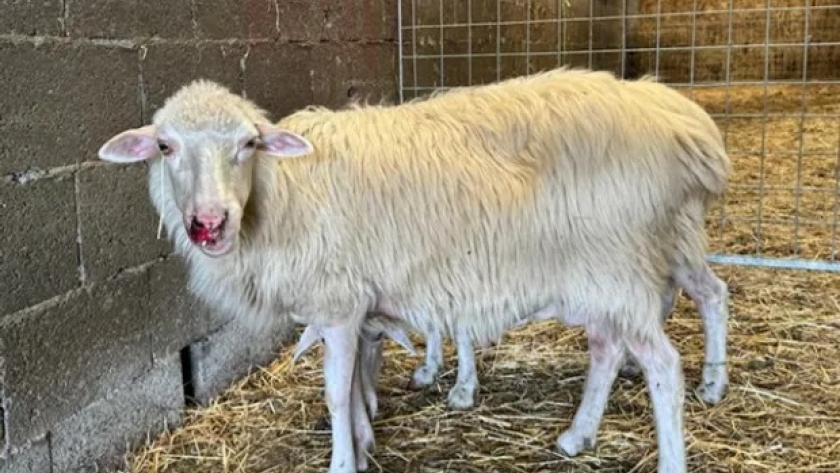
<point>567,194</point>
<point>462,394</point>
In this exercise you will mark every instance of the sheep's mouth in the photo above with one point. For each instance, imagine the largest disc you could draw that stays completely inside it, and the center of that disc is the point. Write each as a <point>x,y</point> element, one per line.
<point>219,247</point>
<point>209,240</point>
<point>203,236</point>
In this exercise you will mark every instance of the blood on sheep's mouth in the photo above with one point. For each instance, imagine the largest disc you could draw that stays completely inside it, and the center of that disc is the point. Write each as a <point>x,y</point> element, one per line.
<point>206,237</point>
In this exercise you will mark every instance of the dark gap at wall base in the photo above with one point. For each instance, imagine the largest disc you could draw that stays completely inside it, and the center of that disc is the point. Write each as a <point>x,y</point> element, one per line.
<point>3,442</point>
<point>50,451</point>
<point>187,376</point>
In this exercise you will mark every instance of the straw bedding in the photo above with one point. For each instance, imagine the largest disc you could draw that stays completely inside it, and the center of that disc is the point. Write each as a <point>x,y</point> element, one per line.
<point>782,412</point>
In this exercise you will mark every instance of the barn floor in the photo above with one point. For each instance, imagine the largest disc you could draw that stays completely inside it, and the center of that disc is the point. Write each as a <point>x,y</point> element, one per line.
<point>782,412</point>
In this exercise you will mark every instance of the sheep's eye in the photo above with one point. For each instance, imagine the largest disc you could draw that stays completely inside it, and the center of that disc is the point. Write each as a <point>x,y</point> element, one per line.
<point>164,148</point>
<point>252,143</point>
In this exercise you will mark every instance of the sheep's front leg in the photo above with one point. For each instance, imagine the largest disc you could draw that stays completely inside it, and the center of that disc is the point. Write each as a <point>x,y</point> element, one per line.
<point>605,355</point>
<point>340,355</point>
<point>631,368</point>
<point>462,395</point>
<point>427,372</point>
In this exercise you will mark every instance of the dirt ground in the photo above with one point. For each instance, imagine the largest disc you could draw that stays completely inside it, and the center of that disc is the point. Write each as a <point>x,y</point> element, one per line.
<point>782,412</point>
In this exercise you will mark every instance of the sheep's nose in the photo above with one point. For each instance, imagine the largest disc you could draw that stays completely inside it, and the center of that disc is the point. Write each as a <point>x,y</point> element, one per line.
<point>208,221</point>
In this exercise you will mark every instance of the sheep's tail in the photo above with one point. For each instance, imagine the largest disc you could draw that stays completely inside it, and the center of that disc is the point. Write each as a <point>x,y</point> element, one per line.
<point>697,138</point>
<point>704,156</point>
<point>705,159</point>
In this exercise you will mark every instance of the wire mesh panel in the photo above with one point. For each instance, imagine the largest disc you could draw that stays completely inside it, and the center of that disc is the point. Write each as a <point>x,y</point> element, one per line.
<point>768,71</point>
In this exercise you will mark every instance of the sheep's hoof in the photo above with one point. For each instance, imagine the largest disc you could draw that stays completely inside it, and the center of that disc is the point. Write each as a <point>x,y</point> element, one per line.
<point>711,393</point>
<point>361,462</point>
<point>713,385</point>
<point>342,468</point>
<point>365,443</point>
<point>424,376</point>
<point>571,443</point>
<point>630,370</point>
<point>371,404</point>
<point>461,397</point>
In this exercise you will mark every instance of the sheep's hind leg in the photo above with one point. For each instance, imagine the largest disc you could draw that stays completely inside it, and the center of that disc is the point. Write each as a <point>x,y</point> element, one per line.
<point>711,295</point>
<point>363,437</point>
<point>369,366</point>
<point>631,368</point>
<point>605,356</point>
<point>660,363</point>
<point>462,395</point>
<point>426,373</point>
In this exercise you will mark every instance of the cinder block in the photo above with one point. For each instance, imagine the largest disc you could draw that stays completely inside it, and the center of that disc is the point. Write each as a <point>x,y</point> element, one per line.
<point>34,458</point>
<point>260,19</point>
<point>287,20</point>
<point>302,20</point>
<point>167,67</point>
<point>119,223</point>
<point>342,20</point>
<point>221,19</point>
<point>312,22</point>
<point>354,20</point>
<point>38,242</point>
<point>61,358</point>
<point>277,77</point>
<point>177,318</point>
<point>129,19</point>
<point>226,355</point>
<point>60,102</point>
<point>389,21</point>
<point>31,18</point>
<point>342,70</point>
<point>96,438</point>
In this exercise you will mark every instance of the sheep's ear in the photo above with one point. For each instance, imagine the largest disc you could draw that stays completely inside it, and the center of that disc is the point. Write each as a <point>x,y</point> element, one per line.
<point>399,335</point>
<point>310,336</point>
<point>130,146</point>
<point>283,143</point>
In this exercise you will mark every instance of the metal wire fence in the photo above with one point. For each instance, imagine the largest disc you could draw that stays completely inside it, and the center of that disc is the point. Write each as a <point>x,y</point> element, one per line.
<point>768,71</point>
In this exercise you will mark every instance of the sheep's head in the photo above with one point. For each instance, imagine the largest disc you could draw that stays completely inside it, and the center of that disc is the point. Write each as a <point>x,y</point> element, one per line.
<point>208,139</point>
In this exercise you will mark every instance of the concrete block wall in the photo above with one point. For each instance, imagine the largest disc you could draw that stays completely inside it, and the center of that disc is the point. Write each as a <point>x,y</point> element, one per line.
<point>100,345</point>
